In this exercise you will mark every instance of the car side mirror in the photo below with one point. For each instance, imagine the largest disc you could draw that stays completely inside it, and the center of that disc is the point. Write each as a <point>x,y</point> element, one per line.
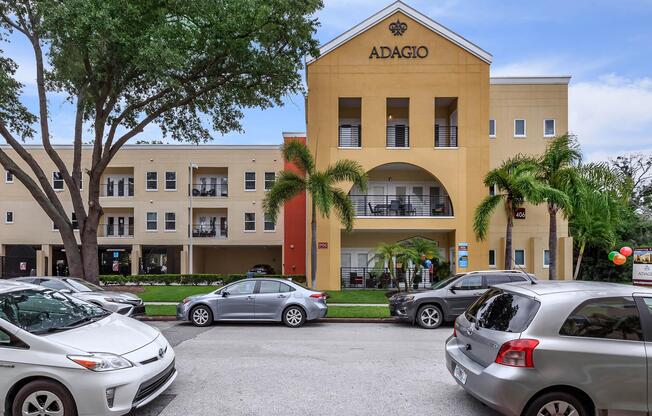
<point>225,294</point>
<point>452,289</point>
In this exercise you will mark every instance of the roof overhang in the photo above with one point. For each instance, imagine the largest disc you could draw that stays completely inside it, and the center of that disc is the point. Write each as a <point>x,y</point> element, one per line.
<point>413,14</point>
<point>553,80</point>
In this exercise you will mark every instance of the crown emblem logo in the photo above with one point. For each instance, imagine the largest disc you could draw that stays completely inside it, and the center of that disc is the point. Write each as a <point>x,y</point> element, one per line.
<point>398,28</point>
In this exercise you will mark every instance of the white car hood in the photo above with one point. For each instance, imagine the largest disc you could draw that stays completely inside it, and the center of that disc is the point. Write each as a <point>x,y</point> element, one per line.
<point>115,334</point>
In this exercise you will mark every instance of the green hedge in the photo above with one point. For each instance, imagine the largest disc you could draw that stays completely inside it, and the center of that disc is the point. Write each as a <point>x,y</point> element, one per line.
<point>187,279</point>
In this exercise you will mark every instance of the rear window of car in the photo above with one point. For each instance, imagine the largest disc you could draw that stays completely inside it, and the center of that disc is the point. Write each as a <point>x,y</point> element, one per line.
<point>609,318</point>
<point>503,311</point>
<point>496,279</point>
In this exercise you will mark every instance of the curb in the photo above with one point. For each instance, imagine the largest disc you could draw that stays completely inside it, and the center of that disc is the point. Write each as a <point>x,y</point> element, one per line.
<point>332,320</point>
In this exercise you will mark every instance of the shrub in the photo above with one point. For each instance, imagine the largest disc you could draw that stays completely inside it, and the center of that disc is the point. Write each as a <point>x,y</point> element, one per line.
<point>187,279</point>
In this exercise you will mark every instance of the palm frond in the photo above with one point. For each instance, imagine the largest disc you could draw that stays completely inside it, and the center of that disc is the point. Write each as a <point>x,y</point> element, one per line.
<point>320,191</point>
<point>348,170</point>
<point>344,208</point>
<point>298,153</point>
<point>483,214</point>
<point>288,185</point>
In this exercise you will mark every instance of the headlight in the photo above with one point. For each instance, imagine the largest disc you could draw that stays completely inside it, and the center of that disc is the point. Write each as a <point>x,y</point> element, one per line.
<point>408,298</point>
<point>101,361</point>
<point>116,300</point>
<point>186,300</point>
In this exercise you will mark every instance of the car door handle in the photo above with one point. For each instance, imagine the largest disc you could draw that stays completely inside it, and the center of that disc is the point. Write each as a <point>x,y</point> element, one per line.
<point>282,296</point>
<point>250,297</point>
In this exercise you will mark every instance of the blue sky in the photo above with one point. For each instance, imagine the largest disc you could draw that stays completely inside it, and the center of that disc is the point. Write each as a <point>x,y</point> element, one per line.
<point>605,45</point>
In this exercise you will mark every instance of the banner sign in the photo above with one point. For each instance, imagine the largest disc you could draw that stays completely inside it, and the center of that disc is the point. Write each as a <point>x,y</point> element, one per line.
<point>462,255</point>
<point>642,273</point>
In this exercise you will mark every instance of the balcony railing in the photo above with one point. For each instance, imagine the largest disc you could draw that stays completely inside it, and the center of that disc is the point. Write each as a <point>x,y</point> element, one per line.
<point>445,136</point>
<point>208,231</point>
<point>398,136</point>
<point>401,206</point>
<point>350,136</point>
<point>215,190</point>
<point>380,278</point>
<point>115,230</point>
<point>117,189</point>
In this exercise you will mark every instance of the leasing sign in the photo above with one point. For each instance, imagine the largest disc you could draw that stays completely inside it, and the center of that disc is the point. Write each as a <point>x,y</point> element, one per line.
<point>642,272</point>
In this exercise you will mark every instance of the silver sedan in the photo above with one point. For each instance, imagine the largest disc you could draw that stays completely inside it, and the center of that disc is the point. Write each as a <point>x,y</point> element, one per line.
<point>255,300</point>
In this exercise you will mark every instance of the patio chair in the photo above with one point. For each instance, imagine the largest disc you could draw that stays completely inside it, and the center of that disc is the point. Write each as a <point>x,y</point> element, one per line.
<point>354,279</point>
<point>374,211</point>
<point>395,206</point>
<point>195,192</point>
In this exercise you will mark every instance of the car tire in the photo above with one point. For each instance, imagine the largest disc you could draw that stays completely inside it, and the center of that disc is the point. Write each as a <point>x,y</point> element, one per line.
<point>553,402</point>
<point>34,395</point>
<point>429,317</point>
<point>201,316</point>
<point>294,317</point>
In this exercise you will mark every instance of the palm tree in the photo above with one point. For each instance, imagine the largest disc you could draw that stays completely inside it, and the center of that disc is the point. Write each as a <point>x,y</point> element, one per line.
<point>557,169</point>
<point>322,188</point>
<point>415,249</point>
<point>388,253</point>
<point>515,183</point>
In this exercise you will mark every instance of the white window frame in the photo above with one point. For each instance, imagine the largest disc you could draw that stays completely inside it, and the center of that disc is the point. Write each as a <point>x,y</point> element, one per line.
<point>524,257</point>
<point>166,181</point>
<point>245,222</point>
<point>147,221</point>
<point>554,127</point>
<point>165,220</point>
<point>7,173</point>
<point>492,136</point>
<point>147,181</point>
<point>245,182</point>
<point>524,128</point>
<point>265,222</point>
<point>543,260</point>
<point>7,217</point>
<point>272,183</point>
<point>63,184</point>
<point>492,266</point>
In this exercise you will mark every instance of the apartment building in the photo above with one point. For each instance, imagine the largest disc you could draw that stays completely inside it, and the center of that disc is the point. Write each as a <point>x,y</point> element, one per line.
<point>413,102</point>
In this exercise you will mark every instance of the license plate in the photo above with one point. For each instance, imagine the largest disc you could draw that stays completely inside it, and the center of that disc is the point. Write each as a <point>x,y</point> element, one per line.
<point>459,374</point>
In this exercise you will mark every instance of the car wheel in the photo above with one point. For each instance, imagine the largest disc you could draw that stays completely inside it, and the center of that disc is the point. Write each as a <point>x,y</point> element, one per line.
<point>430,317</point>
<point>294,317</point>
<point>556,404</point>
<point>201,316</point>
<point>43,398</point>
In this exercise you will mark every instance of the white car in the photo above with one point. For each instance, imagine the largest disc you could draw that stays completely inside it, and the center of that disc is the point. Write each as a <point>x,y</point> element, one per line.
<point>60,356</point>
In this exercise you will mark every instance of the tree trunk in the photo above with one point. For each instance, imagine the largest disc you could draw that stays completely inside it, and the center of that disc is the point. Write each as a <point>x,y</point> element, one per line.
<point>73,254</point>
<point>552,242</point>
<point>88,232</point>
<point>313,247</point>
<point>508,235</point>
<point>580,254</point>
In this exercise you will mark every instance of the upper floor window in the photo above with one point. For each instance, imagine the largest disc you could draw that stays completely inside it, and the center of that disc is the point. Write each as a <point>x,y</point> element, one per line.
<point>57,181</point>
<point>170,181</point>
<point>519,128</point>
<point>549,127</point>
<point>152,181</point>
<point>492,128</point>
<point>270,224</point>
<point>270,177</point>
<point>9,177</point>
<point>152,221</point>
<point>170,221</point>
<point>9,217</point>
<point>250,181</point>
<point>250,221</point>
<point>349,131</point>
<point>446,122</point>
<point>398,120</point>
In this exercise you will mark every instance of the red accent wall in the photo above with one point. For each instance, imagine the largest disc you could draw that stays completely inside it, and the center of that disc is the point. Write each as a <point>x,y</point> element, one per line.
<point>294,233</point>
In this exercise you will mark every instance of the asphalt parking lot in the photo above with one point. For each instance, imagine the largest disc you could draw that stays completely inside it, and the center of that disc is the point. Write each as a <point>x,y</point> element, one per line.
<point>322,368</point>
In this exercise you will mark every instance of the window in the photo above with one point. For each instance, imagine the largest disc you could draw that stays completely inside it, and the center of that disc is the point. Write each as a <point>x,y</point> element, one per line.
<point>270,225</point>
<point>241,288</point>
<point>53,284</point>
<point>609,318</point>
<point>152,221</point>
<point>9,177</point>
<point>546,259</point>
<point>519,128</point>
<point>503,311</point>
<point>170,221</point>
<point>519,257</point>
<point>9,217</point>
<point>492,258</point>
<point>8,340</point>
<point>152,181</point>
<point>493,190</point>
<point>250,221</point>
<point>472,282</point>
<point>496,279</point>
<point>270,177</point>
<point>269,287</point>
<point>170,181</point>
<point>57,181</point>
<point>549,128</point>
<point>75,223</point>
<point>250,181</point>
<point>492,128</point>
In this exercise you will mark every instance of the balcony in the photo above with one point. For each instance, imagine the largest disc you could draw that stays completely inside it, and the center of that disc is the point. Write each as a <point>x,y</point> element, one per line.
<point>350,136</point>
<point>210,230</point>
<point>401,205</point>
<point>445,136</point>
<point>210,190</point>
<point>380,278</point>
<point>115,230</point>
<point>117,189</point>
<point>398,136</point>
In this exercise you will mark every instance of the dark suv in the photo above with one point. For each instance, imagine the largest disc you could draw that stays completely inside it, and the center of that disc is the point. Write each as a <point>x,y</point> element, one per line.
<point>449,298</point>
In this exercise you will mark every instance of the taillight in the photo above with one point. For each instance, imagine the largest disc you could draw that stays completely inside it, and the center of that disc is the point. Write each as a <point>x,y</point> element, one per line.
<point>317,296</point>
<point>455,328</point>
<point>517,353</point>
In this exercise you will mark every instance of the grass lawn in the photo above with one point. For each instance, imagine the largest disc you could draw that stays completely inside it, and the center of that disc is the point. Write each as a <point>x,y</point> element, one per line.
<point>333,311</point>
<point>172,293</point>
<point>357,296</point>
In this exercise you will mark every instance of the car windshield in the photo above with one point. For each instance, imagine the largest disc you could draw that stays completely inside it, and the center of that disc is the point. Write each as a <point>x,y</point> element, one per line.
<point>44,311</point>
<point>445,282</point>
<point>83,286</point>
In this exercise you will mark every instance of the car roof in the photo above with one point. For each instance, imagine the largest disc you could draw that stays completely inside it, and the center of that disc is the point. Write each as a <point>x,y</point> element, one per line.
<point>543,288</point>
<point>7,286</point>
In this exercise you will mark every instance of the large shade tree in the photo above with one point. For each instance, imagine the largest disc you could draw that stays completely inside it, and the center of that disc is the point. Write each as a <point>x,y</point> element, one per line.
<point>321,186</point>
<point>188,66</point>
<point>515,183</point>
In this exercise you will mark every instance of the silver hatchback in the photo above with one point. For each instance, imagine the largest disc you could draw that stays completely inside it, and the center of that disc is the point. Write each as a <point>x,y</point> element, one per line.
<point>557,349</point>
<point>255,300</point>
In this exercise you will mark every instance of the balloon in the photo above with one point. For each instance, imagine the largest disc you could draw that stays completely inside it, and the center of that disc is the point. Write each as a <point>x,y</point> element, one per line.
<point>428,264</point>
<point>612,255</point>
<point>619,259</point>
<point>626,251</point>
